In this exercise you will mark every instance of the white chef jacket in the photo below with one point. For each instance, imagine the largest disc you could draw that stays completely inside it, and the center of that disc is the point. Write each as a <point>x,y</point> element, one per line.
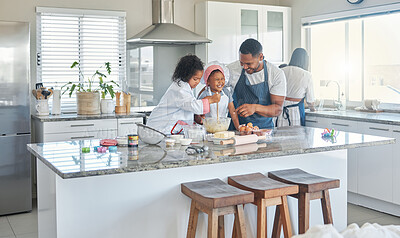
<point>178,103</point>
<point>276,78</point>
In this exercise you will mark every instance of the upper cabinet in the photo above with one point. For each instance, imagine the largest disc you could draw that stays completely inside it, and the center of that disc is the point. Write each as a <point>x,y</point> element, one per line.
<point>229,24</point>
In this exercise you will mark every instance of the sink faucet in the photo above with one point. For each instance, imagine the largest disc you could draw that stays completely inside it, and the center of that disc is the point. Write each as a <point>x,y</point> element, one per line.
<point>336,103</point>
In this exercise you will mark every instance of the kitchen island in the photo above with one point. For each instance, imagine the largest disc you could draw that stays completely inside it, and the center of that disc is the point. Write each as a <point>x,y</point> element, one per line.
<point>109,195</point>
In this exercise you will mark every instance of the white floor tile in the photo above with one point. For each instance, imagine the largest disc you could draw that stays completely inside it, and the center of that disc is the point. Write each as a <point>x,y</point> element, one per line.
<point>5,230</point>
<point>30,235</point>
<point>3,219</point>
<point>358,213</point>
<point>24,223</point>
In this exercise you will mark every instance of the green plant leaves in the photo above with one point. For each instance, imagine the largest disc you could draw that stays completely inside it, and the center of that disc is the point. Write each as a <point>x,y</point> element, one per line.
<point>105,87</point>
<point>74,64</point>
<point>108,67</point>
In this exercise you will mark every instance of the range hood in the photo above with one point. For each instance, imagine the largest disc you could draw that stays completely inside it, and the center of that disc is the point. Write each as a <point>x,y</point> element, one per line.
<point>163,30</point>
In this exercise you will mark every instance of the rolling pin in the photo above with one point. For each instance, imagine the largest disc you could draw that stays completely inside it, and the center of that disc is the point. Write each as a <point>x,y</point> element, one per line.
<point>241,149</point>
<point>242,140</point>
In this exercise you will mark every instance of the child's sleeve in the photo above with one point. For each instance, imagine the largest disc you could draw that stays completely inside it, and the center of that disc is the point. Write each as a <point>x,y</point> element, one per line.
<point>188,102</point>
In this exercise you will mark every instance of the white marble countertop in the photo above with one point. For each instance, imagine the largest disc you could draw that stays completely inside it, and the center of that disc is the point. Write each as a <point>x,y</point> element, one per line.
<point>67,160</point>
<point>374,117</point>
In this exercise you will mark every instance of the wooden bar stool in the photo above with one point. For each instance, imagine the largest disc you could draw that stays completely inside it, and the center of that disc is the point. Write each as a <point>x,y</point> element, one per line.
<point>310,187</point>
<point>267,192</point>
<point>216,199</point>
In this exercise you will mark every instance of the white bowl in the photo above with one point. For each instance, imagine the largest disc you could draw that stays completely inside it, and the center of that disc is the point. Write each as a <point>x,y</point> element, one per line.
<point>177,138</point>
<point>169,142</point>
<point>186,141</point>
<point>213,125</point>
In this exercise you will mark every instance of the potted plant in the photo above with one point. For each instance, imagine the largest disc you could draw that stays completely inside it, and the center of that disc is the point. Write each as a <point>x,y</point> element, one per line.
<point>88,96</point>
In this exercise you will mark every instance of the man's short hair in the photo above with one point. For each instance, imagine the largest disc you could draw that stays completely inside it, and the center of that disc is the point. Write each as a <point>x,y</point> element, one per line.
<point>251,46</point>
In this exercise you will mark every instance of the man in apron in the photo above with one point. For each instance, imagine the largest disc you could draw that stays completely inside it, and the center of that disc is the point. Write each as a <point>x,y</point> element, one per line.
<point>259,87</point>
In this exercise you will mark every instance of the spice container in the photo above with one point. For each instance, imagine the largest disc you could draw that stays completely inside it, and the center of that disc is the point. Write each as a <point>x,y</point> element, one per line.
<point>133,140</point>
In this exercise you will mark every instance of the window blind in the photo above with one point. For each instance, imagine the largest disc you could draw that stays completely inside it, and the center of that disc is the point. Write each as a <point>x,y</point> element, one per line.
<point>91,38</point>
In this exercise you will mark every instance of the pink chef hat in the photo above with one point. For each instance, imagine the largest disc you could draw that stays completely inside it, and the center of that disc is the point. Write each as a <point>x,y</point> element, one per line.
<point>209,70</point>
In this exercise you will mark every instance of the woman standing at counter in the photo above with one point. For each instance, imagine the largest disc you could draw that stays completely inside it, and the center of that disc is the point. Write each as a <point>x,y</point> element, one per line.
<point>178,105</point>
<point>299,87</point>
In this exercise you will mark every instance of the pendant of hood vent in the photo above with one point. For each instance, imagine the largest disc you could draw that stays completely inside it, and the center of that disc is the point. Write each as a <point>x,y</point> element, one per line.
<point>163,30</point>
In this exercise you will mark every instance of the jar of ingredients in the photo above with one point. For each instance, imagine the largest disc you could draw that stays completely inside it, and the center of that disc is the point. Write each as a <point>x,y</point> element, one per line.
<point>133,140</point>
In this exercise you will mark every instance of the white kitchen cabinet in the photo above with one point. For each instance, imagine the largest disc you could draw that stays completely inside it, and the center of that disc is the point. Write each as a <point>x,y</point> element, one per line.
<point>375,167</point>
<point>229,24</point>
<point>396,165</point>
<point>128,126</point>
<point>352,154</point>
<point>74,130</point>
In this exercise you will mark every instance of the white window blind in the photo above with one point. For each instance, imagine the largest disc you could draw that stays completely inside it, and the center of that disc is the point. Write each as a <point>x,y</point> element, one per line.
<point>89,37</point>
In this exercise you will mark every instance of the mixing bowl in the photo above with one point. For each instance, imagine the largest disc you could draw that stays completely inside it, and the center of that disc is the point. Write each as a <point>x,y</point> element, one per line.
<point>213,125</point>
<point>149,135</point>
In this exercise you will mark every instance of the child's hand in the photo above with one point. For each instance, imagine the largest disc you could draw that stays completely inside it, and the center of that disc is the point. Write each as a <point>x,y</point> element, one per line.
<point>214,98</point>
<point>199,119</point>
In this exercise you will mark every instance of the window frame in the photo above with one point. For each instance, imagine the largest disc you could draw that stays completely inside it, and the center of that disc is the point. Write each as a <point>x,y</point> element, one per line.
<point>362,13</point>
<point>118,67</point>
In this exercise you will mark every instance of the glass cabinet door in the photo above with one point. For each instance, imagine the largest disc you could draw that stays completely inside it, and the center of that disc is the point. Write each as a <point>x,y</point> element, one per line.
<point>140,76</point>
<point>249,24</point>
<point>273,42</point>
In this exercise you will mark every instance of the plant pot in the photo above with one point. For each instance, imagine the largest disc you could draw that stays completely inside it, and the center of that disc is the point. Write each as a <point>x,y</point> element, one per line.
<point>88,103</point>
<point>107,106</point>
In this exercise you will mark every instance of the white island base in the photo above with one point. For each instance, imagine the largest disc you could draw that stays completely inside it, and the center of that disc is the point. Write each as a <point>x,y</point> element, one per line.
<point>150,204</point>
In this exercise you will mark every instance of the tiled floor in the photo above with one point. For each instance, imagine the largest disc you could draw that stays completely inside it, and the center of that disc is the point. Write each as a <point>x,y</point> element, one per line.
<point>361,215</point>
<point>25,225</point>
<point>22,225</point>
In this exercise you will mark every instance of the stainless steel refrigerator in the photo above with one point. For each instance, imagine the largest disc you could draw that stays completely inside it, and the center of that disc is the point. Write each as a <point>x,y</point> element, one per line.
<point>15,131</point>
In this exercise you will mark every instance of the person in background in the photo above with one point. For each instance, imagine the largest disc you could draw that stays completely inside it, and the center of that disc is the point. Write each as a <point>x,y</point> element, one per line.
<point>299,88</point>
<point>259,87</point>
<point>215,77</point>
<point>179,105</point>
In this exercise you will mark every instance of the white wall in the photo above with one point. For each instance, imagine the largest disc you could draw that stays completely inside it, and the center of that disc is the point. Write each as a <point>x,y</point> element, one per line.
<point>138,14</point>
<point>305,8</point>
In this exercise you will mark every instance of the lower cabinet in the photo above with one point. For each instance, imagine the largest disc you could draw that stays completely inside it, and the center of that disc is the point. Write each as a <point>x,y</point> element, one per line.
<point>84,129</point>
<point>372,171</point>
<point>396,165</point>
<point>128,126</point>
<point>375,167</point>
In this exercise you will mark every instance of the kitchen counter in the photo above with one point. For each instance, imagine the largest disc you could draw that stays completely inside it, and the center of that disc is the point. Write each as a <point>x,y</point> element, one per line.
<point>70,161</point>
<point>118,197</point>
<point>74,117</point>
<point>380,117</point>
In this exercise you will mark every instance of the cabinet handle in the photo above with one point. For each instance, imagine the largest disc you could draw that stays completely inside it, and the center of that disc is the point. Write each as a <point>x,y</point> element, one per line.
<point>338,124</point>
<point>127,123</point>
<point>82,125</point>
<point>311,121</point>
<point>397,131</point>
<point>378,129</point>
<point>81,137</point>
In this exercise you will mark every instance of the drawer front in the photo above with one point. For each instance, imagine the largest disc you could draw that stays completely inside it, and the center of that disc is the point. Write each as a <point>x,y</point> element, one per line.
<point>79,126</point>
<point>128,126</point>
<point>104,134</point>
<point>344,125</point>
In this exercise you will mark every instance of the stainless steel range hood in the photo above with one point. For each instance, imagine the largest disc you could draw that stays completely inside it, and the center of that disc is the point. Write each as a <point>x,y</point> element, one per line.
<point>163,30</point>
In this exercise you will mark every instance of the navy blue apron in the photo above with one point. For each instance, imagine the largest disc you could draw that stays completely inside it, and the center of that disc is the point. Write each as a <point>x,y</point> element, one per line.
<point>245,93</point>
<point>285,113</point>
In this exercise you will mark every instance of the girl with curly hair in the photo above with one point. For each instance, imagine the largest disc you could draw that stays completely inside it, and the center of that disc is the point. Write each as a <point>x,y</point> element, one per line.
<point>179,105</point>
